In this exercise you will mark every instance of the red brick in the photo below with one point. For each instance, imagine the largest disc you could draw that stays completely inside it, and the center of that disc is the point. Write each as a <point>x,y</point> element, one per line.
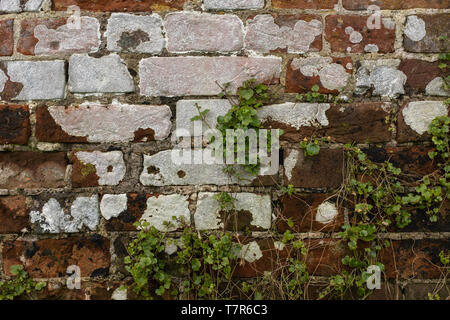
<point>32,170</point>
<point>420,73</point>
<point>324,256</point>
<point>13,214</point>
<point>304,4</point>
<point>436,26</point>
<point>321,171</point>
<point>338,35</point>
<point>420,221</point>
<point>302,210</point>
<point>412,160</point>
<point>271,260</point>
<point>297,82</point>
<point>119,5</point>
<point>14,124</point>
<point>414,258</point>
<point>7,36</point>
<point>420,291</point>
<point>355,122</point>
<point>395,4</point>
<point>50,258</point>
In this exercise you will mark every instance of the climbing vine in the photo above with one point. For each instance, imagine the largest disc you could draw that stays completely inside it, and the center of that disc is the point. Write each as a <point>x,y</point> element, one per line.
<point>376,198</point>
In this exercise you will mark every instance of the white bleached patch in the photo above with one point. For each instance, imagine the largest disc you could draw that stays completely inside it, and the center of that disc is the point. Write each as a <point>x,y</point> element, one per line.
<point>53,219</point>
<point>333,76</point>
<point>290,162</point>
<point>415,28</point>
<point>326,212</point>
<point>251,252</point>
<point>296,115</point>
<point>419,114</point>
<point>112,205</point>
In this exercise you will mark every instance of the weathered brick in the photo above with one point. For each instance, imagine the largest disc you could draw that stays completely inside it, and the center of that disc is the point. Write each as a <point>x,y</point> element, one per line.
<point>103,75</point>
<point>14,124</point>
<point>58,36</point>
<point>420,220</point>
<point>329,73</point>
<point>304,4</point>
<point>321,171</point>
<point>355,122</point>
<point>32,170</point>
<point>162,208</point>
<point>187,76</point>
<point>414,258</point>
<point>420,291</point>
<point>7,36</point>
<point>203,32</point>
<point>98,123</point>
<point>415,117</point>
<point>167,168</point>
<point>424,77</point>
<point>97,168</point>
<point>13,214</point>
<point>324,256</point>
<point>291,33</point>
<point>233,4</point>
<point>50,258</point>
<point>323,259</point>
<point>119,5</point>
<point>132,33</point>
<point>394,5</point>
<point>250,212</point>
<point>89,290</point>
<point>20,6</point>
<point>310,212</point>
<point>427,33</point>
<point>32,80</point>
<point>381,78</point>
<point>186,110</point>
<point>354,34</point>
<point>259,256</point>
<point>413,161</point>
<point>119,219</point>
<point>64,213</point>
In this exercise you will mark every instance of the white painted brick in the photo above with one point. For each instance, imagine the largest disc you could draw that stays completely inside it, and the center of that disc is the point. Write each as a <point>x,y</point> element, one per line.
<point>203,32</point>
<point>11,6</point>
<point>187,76</point>
<point>233,4</point>
<point>99,123</point>
<point>41,80</point>
<point>102,161</point>
<point>162,208</point>
<point>161,170</point>
<point>207,216</point>
<point>133,33</point>
<point>99,75</point>
<point>186,110</point>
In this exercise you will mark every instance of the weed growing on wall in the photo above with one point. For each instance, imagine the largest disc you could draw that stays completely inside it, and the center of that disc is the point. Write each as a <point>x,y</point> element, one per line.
<point>20,285</point>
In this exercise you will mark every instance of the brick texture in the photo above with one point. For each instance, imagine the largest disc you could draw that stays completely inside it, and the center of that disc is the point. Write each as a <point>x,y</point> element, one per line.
<point>100,129</point>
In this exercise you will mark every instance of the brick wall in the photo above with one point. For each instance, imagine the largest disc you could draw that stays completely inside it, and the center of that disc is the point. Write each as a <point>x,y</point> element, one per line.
<point>88,106</point>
